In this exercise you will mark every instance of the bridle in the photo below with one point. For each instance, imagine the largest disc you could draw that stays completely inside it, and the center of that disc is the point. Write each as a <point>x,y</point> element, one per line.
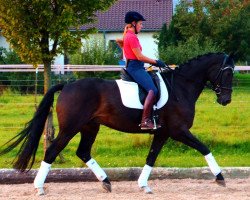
<point>216,85</point>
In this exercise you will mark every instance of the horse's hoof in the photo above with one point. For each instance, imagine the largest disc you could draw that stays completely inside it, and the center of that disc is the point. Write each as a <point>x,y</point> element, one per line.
<point>40,191</point>
<point>106,186</point>
<point>147,190</point>
<point>221,182</point>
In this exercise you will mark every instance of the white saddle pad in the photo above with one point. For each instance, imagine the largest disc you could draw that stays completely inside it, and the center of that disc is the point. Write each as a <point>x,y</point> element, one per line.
<point>130,94</point>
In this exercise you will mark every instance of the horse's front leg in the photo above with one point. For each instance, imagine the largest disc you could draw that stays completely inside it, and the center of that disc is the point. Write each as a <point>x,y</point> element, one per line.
<point>156,146</point>
<point>186,137</point>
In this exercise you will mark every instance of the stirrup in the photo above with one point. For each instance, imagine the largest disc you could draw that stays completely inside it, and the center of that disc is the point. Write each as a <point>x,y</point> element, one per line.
<point>149,125</point>
<point>156,126</point>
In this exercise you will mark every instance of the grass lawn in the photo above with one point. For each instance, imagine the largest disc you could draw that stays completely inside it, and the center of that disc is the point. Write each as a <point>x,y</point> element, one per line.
<point>225,130</point>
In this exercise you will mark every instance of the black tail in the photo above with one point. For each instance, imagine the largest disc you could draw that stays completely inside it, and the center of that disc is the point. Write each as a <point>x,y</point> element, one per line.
<point>32,133</point>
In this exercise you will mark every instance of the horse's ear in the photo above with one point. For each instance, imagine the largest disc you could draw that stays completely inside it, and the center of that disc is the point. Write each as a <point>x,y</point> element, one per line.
<point>231,54</point>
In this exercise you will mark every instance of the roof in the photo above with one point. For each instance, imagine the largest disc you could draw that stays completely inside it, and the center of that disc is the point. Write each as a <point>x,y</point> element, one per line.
<point>156,13</point>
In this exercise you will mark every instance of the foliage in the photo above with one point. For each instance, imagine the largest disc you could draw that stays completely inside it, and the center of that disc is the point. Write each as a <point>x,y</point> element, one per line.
<point>9,57</point>
<point>8,78</point>
<point>183,51</point>
<point>226,24</point>
<point>23,82</point>
<point>95,52</point>
<point>168,36</point>
<point>39,30</point>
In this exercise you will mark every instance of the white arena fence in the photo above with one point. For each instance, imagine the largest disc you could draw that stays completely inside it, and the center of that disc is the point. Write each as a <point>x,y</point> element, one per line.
<point>64,69</point>
<point>61,69</point>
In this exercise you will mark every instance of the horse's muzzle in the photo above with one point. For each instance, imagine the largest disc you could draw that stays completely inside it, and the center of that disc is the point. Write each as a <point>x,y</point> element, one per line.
<point>224,99</point>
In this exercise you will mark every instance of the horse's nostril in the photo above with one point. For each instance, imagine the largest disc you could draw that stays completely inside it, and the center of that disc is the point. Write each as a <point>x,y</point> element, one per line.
<point>224,103</point>
<point>228,101</point>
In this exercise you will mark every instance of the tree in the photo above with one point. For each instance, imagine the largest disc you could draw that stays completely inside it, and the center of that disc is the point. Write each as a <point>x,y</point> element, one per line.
<point>225,23</point>
<point>183,51</point>
<point>39,30</point>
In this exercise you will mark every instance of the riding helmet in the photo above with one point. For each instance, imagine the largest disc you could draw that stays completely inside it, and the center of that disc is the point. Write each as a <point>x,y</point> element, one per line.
<point>133,16</point>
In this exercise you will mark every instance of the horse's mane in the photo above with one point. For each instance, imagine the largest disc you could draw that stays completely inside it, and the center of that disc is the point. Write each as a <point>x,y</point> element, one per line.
<point>197,58</point>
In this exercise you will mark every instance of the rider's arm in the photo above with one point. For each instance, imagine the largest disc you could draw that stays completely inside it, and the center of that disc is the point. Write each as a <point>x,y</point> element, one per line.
<point>143,58</point>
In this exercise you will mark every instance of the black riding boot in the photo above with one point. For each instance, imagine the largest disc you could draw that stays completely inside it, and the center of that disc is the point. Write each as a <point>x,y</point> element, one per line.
<point>146,122</point>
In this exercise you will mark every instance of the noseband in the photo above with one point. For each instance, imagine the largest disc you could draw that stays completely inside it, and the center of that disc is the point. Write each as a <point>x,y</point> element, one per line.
<point>217,88</point>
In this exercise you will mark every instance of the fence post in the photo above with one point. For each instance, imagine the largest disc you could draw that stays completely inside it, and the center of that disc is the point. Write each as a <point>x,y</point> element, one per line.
<point>36,88</point>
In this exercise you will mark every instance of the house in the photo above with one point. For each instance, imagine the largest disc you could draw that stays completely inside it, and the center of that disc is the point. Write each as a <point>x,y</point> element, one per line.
<point>156,12</point>
<point>110,24</point>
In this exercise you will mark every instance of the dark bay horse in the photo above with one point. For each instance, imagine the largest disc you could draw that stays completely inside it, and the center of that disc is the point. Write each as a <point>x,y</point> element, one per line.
<point>85,104</point>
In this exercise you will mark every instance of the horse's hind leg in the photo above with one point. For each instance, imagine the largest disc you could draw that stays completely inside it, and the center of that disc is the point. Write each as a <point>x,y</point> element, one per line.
<point>50,155</point>
<point>88,135</point>
<point>187,138</point>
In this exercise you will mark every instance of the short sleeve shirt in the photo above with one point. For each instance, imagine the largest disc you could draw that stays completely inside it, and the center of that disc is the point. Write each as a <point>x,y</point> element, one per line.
<point>130,42</point>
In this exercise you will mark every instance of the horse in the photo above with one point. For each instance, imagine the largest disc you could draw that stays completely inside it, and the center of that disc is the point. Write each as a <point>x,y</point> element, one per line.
<point>85,104</point>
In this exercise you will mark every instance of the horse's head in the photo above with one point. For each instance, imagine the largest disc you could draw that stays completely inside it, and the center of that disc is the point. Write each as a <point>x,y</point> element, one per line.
<point>221,78</point>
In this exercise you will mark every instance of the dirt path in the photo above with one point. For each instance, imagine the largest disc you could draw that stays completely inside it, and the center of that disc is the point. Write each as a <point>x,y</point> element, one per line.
<point>175,189</point>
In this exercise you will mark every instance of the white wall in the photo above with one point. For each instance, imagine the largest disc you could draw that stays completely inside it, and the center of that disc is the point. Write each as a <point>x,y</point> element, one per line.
<point>59,60</point>
<point>149,47</point>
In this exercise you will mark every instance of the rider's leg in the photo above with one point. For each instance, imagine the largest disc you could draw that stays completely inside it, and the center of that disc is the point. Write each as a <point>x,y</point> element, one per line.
<point>138,73</point>
<point>146,122</point>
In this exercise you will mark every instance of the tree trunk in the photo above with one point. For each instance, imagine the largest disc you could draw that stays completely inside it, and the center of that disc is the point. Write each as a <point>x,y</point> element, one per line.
<point>49,130</point>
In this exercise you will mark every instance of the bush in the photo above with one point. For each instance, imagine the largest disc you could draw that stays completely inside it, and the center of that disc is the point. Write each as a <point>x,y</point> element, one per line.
<point>184,51</point>
<point>13,78</point>
<point>95,52</point>
<point>24,82</point>
<point>9,57</point>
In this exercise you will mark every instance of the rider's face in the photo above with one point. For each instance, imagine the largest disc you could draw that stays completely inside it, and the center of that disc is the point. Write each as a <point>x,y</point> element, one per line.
<point>139,26</point>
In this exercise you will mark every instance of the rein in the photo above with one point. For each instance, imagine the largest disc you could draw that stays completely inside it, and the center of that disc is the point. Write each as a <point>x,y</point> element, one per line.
<point>171,83</point>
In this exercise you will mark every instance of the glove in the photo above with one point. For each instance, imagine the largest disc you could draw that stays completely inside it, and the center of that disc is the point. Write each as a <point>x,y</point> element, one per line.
<point>159,63</point>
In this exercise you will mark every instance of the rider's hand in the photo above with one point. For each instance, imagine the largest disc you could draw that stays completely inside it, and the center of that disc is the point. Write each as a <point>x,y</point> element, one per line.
<point>160,63</point>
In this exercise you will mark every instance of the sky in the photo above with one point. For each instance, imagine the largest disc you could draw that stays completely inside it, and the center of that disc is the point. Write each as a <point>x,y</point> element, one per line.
<point>175,2</point>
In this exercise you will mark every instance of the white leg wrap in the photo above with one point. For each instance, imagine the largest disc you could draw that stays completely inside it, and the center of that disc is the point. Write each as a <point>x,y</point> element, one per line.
<point>96,169</point>
<point>42,174</point>
<point>214,167</point>
<point>143,179</point>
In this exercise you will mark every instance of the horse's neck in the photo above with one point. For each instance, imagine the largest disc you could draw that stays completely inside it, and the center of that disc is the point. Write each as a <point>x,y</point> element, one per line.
<point>191,82</point>
<point>195,73</point>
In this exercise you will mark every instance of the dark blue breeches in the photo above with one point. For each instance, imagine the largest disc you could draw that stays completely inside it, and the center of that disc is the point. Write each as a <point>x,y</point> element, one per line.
<point>136,69</point>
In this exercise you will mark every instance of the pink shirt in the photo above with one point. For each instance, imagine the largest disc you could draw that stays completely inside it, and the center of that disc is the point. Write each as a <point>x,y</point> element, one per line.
<point>130,42</point>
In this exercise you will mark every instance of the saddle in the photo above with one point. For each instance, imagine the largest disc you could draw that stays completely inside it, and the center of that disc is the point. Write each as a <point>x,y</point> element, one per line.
<point>125,76</point>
